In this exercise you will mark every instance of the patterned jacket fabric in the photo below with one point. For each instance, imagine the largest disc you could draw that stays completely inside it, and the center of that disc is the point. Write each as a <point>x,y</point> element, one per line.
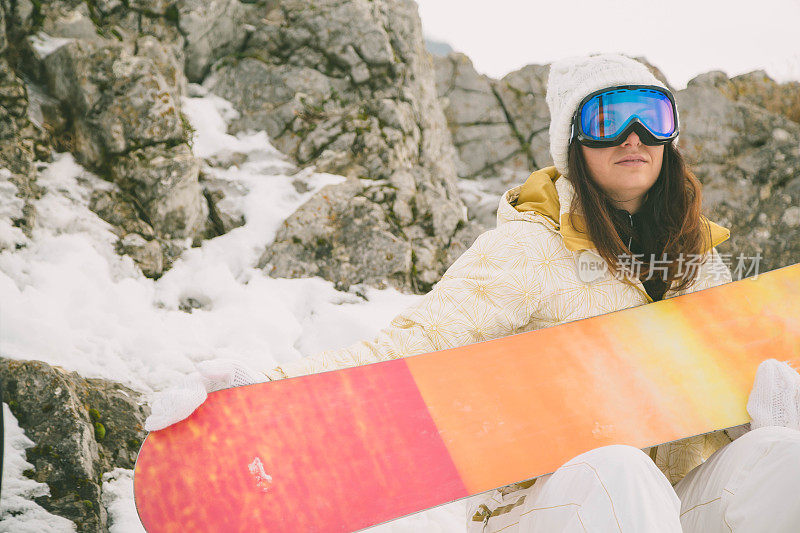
<point>518,277</point>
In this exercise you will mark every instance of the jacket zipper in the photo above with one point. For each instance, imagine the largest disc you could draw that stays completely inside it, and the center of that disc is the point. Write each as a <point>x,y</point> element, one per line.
<point>637,282</point>
<point>630,240</point>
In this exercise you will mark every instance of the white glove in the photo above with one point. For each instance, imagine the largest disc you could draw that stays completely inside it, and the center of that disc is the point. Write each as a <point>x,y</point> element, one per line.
<point>175,404</point>
<point>775,398</point>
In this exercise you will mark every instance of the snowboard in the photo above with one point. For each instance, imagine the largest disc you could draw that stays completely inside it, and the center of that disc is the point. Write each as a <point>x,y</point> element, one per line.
<point>351,448</point>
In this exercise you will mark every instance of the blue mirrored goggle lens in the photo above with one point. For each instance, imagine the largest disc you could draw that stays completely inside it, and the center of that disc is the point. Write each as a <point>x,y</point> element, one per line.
<point>606,114</point>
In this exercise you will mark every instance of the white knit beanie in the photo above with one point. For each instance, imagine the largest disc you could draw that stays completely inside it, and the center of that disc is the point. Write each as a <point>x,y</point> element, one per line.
<point>573,78</point>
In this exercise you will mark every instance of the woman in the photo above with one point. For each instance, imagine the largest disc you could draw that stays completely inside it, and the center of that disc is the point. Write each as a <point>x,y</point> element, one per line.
<point>618,187</point>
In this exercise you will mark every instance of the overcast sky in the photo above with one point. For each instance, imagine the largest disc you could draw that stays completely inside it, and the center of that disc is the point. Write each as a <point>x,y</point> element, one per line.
<point>681,37</point>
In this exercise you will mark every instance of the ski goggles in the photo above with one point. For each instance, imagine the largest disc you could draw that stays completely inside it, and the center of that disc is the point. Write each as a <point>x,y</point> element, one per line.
<point>606,117</point>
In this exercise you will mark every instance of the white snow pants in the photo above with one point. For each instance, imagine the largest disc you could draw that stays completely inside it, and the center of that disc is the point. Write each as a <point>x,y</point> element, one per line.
<point>749,485</point>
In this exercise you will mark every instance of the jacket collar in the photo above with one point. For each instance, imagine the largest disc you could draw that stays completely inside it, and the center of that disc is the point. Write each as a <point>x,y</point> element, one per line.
<point>549,194</point>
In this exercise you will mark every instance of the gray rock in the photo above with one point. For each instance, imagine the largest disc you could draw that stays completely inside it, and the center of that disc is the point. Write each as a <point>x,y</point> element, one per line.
<point>224,212</point>
<point>332,232</point>
<point>119,101</point>
<point>164,181</point>
<point>81,427</point>
<point>521,94</point>
<point>272,97</point>
<point>137,239</point>
<point>77,23</point>
<point>165,30</point>
<point>791,217</point>
<point>127,125</point>
<point>119,210</point>
<point>437,48</point>
<point>107,7</point>
<point>756,88</point>
<point>212,30</point>
<point>154,7</point>
<point>128,21</point>
<point>78,71</point>
<point>498,126</point>
<point>11,213</point>
<point>147,254</point>
<point>747,159</point>
<point>22,143</point>
<point>759,89</point>
<point>120,81</point>
<point>348,87</point>
<point>713,79</point>
<point>3,38</point>
<point>19,18</point>
<point>166,61</point>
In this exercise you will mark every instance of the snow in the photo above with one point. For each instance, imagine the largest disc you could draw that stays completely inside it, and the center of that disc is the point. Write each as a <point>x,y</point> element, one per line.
<point>118,501</point>
<point>263,480</point>
<point>67,298</point>
<point>44,44</point>
<point>18,512</point>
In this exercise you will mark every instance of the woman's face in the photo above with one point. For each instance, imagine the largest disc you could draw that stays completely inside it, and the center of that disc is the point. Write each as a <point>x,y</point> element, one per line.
<point>625,181</point>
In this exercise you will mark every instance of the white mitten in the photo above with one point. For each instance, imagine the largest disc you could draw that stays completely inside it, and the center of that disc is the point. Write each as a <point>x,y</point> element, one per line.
<point>775,398</point>
<point>175,404</point>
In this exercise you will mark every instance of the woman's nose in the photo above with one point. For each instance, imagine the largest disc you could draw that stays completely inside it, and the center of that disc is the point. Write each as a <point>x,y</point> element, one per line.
<point>632,139</point>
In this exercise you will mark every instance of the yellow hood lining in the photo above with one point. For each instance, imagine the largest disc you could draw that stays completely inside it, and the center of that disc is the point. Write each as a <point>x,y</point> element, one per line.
<point>539,194</point>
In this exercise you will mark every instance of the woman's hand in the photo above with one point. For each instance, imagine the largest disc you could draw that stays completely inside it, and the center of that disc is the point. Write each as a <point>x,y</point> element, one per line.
<point>775,398</point>
<point>175,404</point>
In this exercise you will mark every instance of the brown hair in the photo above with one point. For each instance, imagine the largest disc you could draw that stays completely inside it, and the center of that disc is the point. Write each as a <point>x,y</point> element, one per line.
<point>670,214</point>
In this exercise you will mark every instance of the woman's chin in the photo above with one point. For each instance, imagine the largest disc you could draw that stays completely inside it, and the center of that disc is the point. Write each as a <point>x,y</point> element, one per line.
<point>634,183</point>
<point>642,173</point>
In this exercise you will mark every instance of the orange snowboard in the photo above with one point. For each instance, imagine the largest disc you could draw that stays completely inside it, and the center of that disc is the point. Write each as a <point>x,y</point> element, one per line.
<point>347,449</point>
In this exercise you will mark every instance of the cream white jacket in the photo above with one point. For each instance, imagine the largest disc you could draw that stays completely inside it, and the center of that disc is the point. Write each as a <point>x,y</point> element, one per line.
<point>518,277</point>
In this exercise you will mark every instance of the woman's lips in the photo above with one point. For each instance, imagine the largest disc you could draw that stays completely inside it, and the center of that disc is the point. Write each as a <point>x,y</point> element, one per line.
<point>631,163</point>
